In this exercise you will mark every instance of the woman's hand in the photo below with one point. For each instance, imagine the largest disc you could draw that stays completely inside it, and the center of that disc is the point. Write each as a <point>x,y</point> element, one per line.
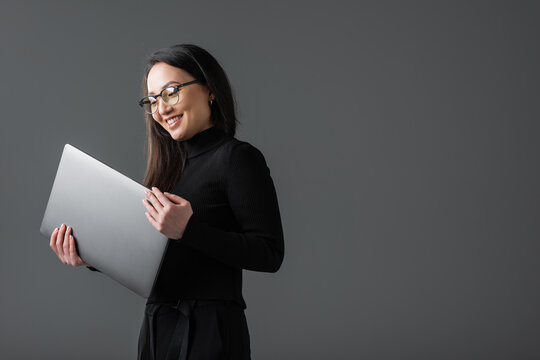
<point>63,244</point>
<point>168,213</point>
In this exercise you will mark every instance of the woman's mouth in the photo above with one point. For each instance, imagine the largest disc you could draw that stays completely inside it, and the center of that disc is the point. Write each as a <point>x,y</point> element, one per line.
<point>173,122</point>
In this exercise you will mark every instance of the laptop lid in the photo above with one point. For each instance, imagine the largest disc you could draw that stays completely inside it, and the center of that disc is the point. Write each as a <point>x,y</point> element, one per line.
<point>104,209</point>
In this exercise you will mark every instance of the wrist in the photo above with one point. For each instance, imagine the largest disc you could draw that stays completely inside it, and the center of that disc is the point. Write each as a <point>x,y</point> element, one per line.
<point>188,225</point>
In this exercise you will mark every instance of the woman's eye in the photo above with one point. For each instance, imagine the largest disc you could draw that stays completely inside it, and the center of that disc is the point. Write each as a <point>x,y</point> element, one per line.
<point>149,101</point>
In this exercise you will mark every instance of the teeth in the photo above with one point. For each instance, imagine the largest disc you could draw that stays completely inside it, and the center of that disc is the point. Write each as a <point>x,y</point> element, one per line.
<point>173,120</point>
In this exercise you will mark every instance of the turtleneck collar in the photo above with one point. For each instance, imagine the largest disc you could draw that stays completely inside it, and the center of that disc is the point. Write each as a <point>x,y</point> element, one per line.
<point>203,141</point>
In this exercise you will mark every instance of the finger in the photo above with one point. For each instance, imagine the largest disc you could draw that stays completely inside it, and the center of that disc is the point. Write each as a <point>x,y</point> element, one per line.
<point>72,255</point>
<point>76,259</point>
<point>53,239</point>
<point>162,198</point>
<point>53,242</point>
<point>154,200</point>
<point>154,223</point>
<point>174,198</point>
<point>66,244</point>
<point>150,209</point>
<point>60,243</point>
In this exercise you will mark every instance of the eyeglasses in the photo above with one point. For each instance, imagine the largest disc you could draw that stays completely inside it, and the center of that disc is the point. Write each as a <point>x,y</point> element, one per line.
<point>170,95</point>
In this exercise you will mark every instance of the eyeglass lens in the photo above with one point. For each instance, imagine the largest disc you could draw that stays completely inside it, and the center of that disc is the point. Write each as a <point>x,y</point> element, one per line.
<point>169,96</point>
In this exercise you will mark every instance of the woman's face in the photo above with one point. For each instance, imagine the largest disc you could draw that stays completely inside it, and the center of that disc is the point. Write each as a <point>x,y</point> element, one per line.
<point>193,108</point>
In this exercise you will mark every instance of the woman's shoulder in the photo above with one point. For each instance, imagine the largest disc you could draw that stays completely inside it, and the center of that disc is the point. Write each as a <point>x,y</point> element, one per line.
<point>240,150</point>
<point>239,155</point>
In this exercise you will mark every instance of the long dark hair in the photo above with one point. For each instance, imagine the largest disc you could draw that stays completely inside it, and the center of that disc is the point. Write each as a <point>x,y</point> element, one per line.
<point>166,156</point>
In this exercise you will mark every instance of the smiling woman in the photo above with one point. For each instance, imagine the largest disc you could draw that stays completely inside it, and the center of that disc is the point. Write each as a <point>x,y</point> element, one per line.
<point>213,197</point>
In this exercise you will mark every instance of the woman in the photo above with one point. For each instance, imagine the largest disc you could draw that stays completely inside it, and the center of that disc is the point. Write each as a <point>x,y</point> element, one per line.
<point>213,197</point>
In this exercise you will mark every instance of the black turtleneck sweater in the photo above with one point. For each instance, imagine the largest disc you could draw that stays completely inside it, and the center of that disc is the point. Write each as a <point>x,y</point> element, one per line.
<point>235,224</point>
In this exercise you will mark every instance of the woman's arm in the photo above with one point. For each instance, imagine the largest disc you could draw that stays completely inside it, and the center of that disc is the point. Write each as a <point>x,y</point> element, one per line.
<point>252,197</point>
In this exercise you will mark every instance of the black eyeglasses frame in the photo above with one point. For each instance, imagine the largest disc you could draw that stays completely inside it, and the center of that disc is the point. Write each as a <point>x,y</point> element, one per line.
<point>176,87</point>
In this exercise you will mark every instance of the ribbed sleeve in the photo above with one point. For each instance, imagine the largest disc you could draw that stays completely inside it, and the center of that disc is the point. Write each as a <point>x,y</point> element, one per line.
<point>251,194</point>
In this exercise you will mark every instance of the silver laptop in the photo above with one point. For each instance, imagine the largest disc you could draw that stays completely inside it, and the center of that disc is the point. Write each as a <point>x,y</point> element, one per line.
<point>106,214</point>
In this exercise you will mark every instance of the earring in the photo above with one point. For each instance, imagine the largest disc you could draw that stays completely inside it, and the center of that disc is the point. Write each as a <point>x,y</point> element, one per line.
<point>211,101</point>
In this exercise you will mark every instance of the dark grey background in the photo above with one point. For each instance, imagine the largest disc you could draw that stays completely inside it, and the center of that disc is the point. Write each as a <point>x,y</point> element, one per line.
<point>402,138</point>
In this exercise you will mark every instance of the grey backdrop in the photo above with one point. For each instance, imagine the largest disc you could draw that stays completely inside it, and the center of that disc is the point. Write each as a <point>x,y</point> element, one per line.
<point>402,138</point>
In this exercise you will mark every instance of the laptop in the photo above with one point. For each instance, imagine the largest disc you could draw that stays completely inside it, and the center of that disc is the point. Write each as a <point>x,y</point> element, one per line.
<point>104,209</point>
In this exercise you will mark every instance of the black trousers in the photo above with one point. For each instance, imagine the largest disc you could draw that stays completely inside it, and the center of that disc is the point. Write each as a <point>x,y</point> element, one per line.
<point>194,329</point>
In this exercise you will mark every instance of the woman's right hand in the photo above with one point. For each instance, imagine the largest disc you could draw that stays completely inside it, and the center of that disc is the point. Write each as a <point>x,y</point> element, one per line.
<point>63,244</point>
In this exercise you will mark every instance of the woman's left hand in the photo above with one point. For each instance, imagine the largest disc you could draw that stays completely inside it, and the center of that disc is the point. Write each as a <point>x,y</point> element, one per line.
<point>168,213</point>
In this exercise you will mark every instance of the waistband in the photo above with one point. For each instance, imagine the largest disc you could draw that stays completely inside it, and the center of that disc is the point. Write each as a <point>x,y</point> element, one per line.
<point>180,337</point>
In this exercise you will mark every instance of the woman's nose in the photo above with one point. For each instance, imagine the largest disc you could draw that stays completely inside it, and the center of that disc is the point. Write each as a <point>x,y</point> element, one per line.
<point>163,108</point>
